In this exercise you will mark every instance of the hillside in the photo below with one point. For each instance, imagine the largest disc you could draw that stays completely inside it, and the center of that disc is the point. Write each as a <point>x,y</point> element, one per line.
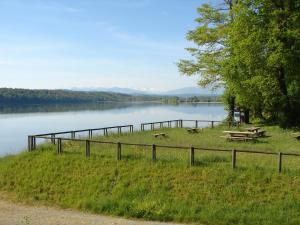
<point>210,192</point>
<point>9,95</point>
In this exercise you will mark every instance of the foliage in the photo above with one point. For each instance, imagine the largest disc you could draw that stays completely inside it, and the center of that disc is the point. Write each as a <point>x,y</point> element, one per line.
<point>25,96</point>
<point>253,49</point>
<point>168,190</point>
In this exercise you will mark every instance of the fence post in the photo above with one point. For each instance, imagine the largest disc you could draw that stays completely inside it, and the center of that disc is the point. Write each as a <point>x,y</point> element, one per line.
<point>196,123</point>
<point>279,162</point>
<point>181,123</point>
<point>53,139</point>
<point>153,152</point>
<point>192,156</point>
<point>233,159</point>
<point>212,124</point>
<point>161,125</point>
<point>152,126</point>
<point>118,151</point>
<point>87,148</point>
<point>90,134</point>
<point>29,143</point>
<point>72,135</point>
<point>32,143</point>
<point>59,146</point>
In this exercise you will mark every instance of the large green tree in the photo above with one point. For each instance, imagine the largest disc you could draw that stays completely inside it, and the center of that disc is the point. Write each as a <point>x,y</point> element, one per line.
<point>252,47</point>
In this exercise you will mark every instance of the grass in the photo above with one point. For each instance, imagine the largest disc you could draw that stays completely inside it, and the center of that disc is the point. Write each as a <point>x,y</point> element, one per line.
<point>169,189</point>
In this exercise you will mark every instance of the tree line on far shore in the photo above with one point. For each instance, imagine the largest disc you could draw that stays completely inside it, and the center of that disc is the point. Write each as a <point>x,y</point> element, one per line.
<point>27,96</point>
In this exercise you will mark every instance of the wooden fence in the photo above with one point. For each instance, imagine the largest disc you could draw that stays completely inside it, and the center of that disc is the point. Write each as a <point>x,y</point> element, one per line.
<point>170,123</point>
<point>74,132</point>
<point>154,148</point>
<point>179,123</point>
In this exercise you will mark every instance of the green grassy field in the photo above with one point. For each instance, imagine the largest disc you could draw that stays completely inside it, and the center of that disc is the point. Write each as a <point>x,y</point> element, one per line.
<point>169,189</point>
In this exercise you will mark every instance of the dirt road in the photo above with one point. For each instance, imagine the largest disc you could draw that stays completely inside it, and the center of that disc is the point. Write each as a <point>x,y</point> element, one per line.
<point>15,214</point>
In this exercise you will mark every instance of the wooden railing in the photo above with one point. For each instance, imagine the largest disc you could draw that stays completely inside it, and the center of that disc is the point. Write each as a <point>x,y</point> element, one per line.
<point>154,148</point>
<point>180,123</point>
<point>169,123</point>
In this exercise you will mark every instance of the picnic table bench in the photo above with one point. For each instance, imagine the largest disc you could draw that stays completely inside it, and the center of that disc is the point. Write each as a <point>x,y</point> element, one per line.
<point>160,135</point>
<point>239,135</point>
<point>296,135</point>
<point>192,130</point>
<point>256,130</point>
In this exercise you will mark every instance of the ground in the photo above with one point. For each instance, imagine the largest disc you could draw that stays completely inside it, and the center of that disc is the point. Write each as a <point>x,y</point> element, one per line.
<point>16,214</point>
<point>210,192</point>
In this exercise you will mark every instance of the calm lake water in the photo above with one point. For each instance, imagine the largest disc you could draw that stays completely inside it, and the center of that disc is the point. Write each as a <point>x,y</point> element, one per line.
<point>17,122</point>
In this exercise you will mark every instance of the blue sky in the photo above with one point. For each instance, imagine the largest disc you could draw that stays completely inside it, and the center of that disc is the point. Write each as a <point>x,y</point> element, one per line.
<point>95,43</point>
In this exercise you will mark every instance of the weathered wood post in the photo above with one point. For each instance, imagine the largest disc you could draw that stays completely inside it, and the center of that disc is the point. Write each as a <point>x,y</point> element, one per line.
<point>161,125</point>
<point>152,126</point>
<point>181,123</point>
<point>87,148</point>
<point>192,156</point>
<point>196,123</point>
<point>59,146</point>
<point>90,134</point>
<point>153,152</point>
<point>279,162</point>
<point>119,130</point>
<point>32,143</point>
<point>233,159</point>
<point>105,131</point>
<point>53,139</point>
<point>131,128</point>
<point>119,151</point>
<point>73,135</point>
<point>29,143</point>
<point>212,124</point>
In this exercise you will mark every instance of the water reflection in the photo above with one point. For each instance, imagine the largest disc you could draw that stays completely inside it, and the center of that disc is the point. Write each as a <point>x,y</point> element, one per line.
<point>18,121</point>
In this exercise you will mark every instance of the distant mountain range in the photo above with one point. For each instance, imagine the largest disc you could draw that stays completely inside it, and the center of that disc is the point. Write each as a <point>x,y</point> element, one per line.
<point>182,92</point>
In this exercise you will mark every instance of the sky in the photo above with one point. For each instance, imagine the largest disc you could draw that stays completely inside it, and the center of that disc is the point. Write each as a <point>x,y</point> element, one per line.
<point>58,44</point>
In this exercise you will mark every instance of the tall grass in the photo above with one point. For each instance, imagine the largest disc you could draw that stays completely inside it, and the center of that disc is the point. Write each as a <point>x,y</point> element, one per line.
<point>168,189</point>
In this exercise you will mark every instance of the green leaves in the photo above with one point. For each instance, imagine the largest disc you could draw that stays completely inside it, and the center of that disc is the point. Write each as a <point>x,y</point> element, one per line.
<point>254,49</point>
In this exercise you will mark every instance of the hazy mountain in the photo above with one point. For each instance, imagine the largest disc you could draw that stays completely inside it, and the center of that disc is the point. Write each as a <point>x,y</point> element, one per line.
<point>193,91</point>
<point>114,90</point>
<point>182,92</point>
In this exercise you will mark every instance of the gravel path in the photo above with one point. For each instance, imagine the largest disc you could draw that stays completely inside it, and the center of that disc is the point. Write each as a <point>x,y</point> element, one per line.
<point>15,214</point>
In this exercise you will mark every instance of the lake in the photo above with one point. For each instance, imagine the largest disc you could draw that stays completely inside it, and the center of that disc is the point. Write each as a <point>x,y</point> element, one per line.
<point>17,122</point>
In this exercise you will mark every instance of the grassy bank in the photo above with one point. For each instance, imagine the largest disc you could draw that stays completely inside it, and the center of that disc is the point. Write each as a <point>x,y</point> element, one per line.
<point>168,190</point>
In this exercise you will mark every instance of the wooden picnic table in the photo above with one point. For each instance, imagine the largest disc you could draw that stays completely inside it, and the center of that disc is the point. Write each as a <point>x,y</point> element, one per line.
<point>253,129</point>
<point>239,135</point>
<point>193,130</point>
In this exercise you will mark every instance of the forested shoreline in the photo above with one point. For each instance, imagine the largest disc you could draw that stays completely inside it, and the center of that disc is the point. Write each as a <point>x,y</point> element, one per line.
<point>43,96</point>
<point>27,96</point>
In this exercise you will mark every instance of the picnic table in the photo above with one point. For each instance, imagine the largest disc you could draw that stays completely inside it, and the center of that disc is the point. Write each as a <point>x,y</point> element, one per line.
<point>239,135</point>
<point>296,135</point>
<point>253,129</point>
<point>193,130</point>
<point>256,130</point>
<point>160,135</point>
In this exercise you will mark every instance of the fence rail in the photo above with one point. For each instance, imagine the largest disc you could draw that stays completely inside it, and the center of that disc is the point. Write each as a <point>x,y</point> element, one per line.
<point>74,132</point>
<point>154,147</point>
<point>178,123</point>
